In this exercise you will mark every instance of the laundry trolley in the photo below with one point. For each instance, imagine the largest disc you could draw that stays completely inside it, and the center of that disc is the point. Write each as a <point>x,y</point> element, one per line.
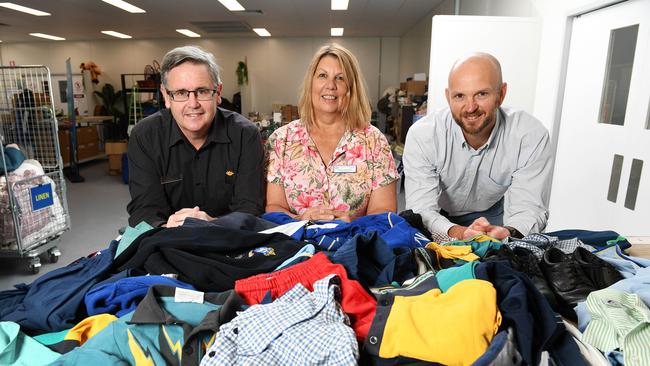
<point>33,205</point>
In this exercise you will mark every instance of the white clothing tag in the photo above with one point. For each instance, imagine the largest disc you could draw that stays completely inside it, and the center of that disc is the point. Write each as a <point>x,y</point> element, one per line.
<point>344,168</point>
<point>288,229</point>
<point>327,225</point>
<point>185,295</point>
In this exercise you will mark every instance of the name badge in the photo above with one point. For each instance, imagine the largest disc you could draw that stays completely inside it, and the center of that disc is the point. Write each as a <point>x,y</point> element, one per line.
<point>344,169</point>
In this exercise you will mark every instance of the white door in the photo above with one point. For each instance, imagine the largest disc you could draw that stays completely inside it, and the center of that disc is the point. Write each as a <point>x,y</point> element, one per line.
<point>602,171</point>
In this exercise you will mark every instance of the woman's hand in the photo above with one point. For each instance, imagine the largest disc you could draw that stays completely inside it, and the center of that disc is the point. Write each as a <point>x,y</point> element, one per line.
<point>318,213</point>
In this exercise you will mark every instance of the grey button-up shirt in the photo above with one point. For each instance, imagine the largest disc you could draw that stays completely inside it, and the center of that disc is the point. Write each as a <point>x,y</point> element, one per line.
<point>444,172</point>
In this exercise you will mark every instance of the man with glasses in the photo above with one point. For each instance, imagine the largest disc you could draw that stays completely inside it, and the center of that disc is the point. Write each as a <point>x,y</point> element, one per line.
<point>193,159</point>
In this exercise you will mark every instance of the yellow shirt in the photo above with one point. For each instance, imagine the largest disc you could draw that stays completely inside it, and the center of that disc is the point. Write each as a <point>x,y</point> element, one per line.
<point>452,328</point>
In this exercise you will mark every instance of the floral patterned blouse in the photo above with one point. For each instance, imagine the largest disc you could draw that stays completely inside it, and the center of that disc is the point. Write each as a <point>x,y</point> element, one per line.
<point>361,163</point>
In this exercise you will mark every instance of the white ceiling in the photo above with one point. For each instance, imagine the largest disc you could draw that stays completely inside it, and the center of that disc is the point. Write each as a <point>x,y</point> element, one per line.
<point>78,20</point>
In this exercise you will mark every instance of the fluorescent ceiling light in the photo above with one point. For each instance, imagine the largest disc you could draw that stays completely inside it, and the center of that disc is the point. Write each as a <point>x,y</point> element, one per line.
<point>339,4</point>
<point>336,32</point>
<point>43,35</point>
<point>125,6</point>
<point>262,32</point>
<point>232,5</point>
<point>188,33</point>
<point>117,34</point>
<point>24,9</point>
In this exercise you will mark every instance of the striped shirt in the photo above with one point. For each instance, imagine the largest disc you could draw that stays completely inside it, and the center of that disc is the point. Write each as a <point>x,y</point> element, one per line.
<point>619,321</point>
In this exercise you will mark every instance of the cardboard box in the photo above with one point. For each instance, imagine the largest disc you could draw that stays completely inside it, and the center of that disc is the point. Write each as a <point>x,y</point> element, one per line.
<point>87,151</point>
<point>116,147</point>
<point>87,135</point>
<point>415,87</point>
<point>114,164</point>
<point>286,113</point>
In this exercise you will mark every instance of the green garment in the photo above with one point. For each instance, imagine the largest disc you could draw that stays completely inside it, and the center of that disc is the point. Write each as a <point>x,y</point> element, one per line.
<point>17,348</point>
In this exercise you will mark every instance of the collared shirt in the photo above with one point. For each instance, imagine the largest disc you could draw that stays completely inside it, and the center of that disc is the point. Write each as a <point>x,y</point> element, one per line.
<point>361,163</point>
<point>444,172</point>
<point>619,321</point>
<point>166,173</point>
<point>298,328</point>
<point>165,329</point>
<point>458,324</point>
<point>16,348</point>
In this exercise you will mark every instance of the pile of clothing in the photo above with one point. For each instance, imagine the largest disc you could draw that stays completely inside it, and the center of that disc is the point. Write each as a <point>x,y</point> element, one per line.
<point>376,291</point>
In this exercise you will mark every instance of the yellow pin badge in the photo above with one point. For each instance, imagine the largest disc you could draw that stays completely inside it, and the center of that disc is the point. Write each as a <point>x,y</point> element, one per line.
<point>230,173</point>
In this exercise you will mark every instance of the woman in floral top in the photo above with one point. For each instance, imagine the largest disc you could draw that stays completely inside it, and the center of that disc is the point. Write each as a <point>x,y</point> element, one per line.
<point>331,163</point>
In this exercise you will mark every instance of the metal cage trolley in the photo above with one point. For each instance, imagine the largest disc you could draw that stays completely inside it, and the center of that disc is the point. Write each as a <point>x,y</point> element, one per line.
<point>33,205</point>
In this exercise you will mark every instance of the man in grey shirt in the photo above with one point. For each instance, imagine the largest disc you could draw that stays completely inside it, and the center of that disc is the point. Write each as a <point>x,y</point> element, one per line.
<point>475,167</point>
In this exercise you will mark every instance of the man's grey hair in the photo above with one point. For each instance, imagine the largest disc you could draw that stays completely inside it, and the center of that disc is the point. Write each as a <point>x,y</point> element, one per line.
<point>193,54</point>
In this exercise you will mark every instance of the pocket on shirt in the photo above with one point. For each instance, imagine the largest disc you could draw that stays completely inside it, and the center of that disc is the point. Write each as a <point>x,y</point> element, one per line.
<point>491,190</point>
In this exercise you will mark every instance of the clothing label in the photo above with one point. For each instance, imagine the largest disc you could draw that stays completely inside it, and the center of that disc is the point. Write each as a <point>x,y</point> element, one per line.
<point>185,295</point>
<point>289,228</point>
<point>344,168</point>
<point>329,225</point>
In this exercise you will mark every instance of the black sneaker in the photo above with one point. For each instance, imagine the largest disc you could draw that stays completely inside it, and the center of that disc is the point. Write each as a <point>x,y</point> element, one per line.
<point>565,276</point>
<point>601,273</point>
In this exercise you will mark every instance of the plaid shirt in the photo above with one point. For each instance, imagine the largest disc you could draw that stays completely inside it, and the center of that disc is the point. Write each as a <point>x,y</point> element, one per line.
<point>299,328</point>
<point>538,243</point>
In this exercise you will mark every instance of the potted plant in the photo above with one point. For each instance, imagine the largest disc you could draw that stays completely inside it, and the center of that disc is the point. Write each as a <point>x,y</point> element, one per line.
<point>242,73</point>
<point>113,105</point>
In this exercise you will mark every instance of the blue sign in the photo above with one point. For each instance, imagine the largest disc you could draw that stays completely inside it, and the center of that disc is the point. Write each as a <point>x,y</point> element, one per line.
<point>41,196</point>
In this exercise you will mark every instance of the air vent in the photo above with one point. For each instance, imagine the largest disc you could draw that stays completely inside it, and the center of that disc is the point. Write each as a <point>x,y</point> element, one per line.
<point>223,27</point>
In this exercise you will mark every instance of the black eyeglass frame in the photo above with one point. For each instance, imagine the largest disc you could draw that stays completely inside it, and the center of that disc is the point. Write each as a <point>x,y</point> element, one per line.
<point>170,93</point>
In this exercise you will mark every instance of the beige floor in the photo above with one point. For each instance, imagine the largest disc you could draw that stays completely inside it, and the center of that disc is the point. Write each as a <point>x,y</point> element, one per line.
<point>640,246</point>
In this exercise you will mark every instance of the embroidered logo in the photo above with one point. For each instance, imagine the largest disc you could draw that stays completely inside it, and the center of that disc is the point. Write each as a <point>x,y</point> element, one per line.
<point>230,173</point>
<point>265,251</point>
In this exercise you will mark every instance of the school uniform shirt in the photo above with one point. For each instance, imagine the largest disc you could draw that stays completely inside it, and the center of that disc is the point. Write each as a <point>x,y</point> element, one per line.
<point>299,328</point>
<point>54,301</point>
<point>620,321</point>
<point>361,163</point>
<point>458,324</point>
<point>16,348</point>
<point>166,173</point>
<point>82,332</point>
<point>211,258</point>
<point>442,171</point>
<point>170,327</point>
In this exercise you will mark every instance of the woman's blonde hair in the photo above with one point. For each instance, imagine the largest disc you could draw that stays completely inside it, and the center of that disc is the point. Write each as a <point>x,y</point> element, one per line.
<point>356,111</point>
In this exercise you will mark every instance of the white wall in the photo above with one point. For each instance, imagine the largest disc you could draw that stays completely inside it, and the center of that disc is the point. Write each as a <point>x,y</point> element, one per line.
<point>499,36</point>
<point>276,66</point>
<point>501,8</point>
<point>415,45</point>
<point>390,53</point>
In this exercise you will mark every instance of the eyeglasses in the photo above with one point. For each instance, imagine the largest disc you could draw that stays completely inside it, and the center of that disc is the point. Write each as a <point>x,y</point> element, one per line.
<point>183,95</point>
